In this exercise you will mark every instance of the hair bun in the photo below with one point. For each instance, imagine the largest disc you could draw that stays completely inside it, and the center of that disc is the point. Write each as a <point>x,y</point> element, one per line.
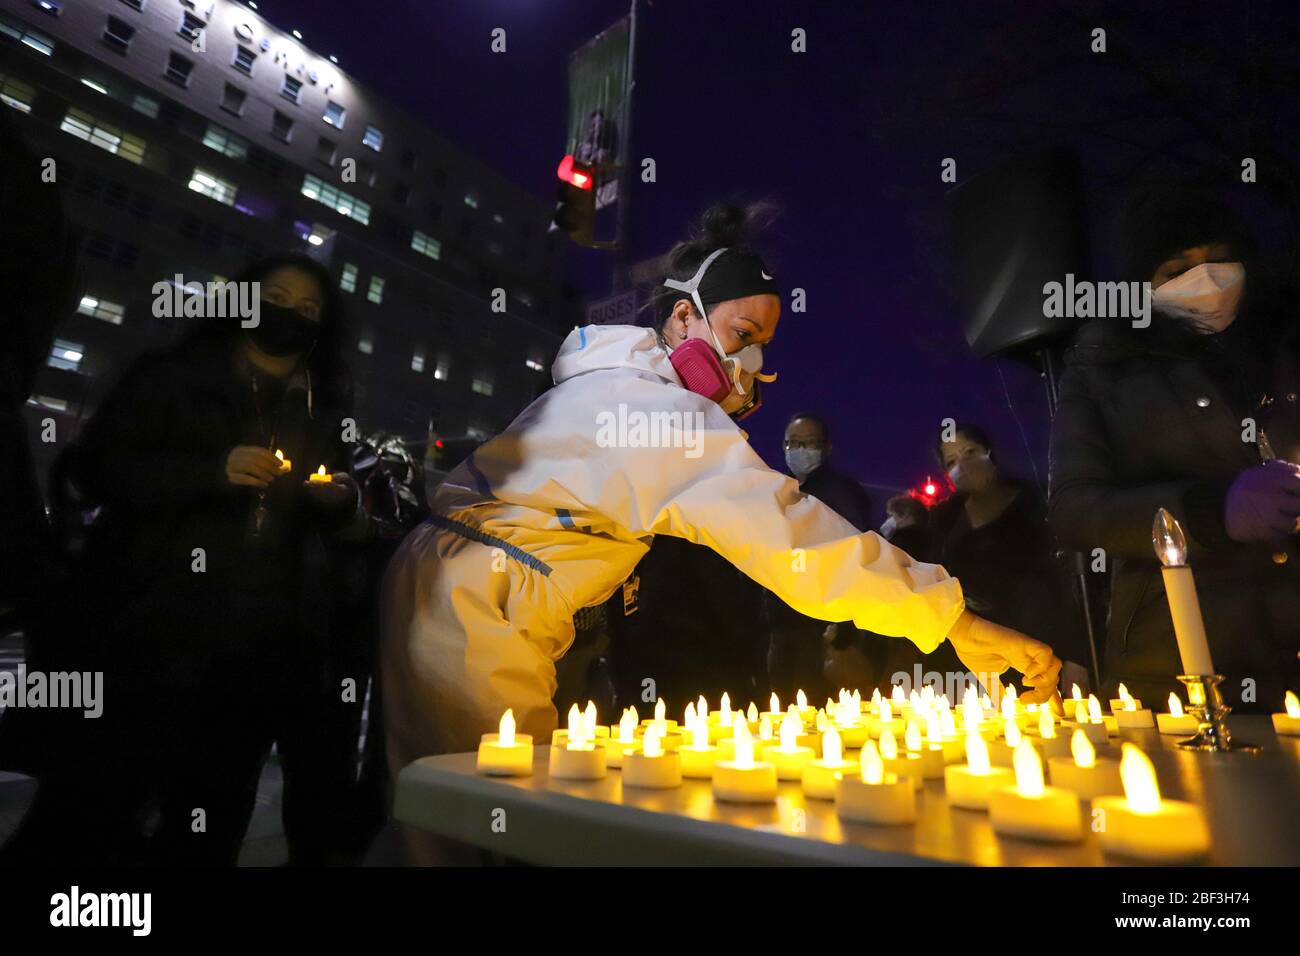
<point>728,224</point>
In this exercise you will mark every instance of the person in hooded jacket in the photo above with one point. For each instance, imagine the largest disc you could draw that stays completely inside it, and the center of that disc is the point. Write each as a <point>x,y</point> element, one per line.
<point>1194,409</point>
<point>201,587</point>
<point>636,439</point>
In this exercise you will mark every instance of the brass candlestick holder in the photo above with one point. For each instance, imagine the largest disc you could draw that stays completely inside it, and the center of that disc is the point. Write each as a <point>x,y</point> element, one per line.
<point>1206,704</point>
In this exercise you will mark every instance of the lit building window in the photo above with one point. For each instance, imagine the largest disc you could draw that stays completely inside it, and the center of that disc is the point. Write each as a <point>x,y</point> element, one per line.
<point>482,386</point>
<point>417,359</point>
<point>224,141</point>
<point>471,200</point>
<point>366,344</point>
<point>318,235</point>
<point>66,355</point>
<point>16,94</point>
<point>101,309</point>
<point>84,126</point>
<point>348,280</point>
<point>191,26</point>
<point>53,7</point>
<point>179,69</point>
<point>334,114</point>
<point>533,364</point>
<point>374,138</point>
<point>375,292</point>
<point>26,36</point>
<point>426,245</point>
<point>213,186</point>
<point>443,369</point>
<point>244,59</point>
<point>313,187</point>
<point>292,89</point>
<point>145,105</point>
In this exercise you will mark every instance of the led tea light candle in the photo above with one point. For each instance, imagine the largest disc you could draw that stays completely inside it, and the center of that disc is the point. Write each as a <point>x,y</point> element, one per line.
<point>904,765</point>
<point>666,726</point>
<point>1050,742</point>
<point>626,742</point>
<point>886,722</point>
<point>505,753</point>
<point>285,464</point>
<point>751,714</point>
<point>1180,589</point>
<point>941,729</point>
<point>1094,723</point>
<point>1133,716</point>
<point>1176,721</point>
<point>929,755</point>
<point>744,780</point>
<point>874,706</point>
<point>1287,724</point>
<point>700,756</point>
<point>599,733</point>
<point>1141,825</point>
<point>1003,752</point>
<point>1083,772</point>
<point>787,756</point>
<point>821,775</point>
<point>848,720</point>
<point>774,712</point>
<point>968,785</point>
<point>580,757</point>
<point>320,476</point>
<point>652,767</point>
<point>1121,702</point>
<point>1031,809</point>
<point>875,795</point>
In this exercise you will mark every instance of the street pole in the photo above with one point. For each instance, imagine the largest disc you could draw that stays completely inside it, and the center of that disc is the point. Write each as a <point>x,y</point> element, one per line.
<point>619,278</point>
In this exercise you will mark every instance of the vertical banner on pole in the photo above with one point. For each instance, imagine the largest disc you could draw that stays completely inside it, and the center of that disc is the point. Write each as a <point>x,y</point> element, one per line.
<point>598,107</point>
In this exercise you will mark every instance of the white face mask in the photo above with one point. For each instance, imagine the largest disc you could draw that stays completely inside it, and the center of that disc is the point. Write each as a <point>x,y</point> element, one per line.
<point>1205,296</point>
<point>803,461</point>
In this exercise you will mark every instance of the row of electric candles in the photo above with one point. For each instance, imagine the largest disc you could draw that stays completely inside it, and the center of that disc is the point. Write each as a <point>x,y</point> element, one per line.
<point>319,476</point>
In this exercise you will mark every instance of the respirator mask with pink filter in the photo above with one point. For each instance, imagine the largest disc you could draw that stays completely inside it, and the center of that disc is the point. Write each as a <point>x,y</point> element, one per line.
<point>709,370</point>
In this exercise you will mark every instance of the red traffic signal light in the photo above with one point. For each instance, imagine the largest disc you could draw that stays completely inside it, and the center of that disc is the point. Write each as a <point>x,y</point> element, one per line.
<point>573,174</point>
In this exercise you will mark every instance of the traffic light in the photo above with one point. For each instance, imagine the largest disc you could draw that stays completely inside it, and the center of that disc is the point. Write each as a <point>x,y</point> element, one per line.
<point>575,208</point>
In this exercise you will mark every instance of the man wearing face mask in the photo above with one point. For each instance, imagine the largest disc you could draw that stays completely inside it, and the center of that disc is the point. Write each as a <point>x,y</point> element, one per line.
<point>1196,413</point>
<point>796,653</point>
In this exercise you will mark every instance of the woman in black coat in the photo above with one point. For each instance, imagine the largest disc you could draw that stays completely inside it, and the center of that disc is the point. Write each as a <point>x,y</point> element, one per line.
<point>1185,414</point>
<point>205,576</point>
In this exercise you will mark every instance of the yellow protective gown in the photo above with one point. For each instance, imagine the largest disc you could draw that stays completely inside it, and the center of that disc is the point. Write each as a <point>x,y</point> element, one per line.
<point>554,514</point>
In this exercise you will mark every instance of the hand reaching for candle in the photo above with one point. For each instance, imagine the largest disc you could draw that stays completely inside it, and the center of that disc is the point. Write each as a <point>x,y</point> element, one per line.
<point>252,466</point>
<point>988,648</point>
<point>341,490</point>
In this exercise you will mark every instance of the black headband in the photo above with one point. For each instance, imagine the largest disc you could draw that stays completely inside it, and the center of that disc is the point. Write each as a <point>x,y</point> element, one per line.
<point>728,274</point>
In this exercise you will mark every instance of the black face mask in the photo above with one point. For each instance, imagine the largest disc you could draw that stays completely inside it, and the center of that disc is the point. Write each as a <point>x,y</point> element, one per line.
<point>282,331</point>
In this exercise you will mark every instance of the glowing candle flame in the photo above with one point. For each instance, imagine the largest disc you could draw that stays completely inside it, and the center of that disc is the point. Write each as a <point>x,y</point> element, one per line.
<point>985,702</point>
<point>823,722</point>
<point>774,704</point>
<point>1046,724</point>
<point>1008,707</point>
<point>1081,748</point>
<point>912,736</point>
<point>875,697</point>
<point>743,743</point>
<point>589,720</point>
<point>764,728</point>
<point>977,754</point>
<point>914,699</point>
<point>1175,705</point>
<point>832,748</point>
<point>1094,709</point>
<point>700,733</point>
<point>801,700</point>
<point>1139,778</point>
<point>947,723</point>
<point>927,693</point>
<point>1029,769</point>
<point>724,709</point>
<point>1075,693</point>
<point>896,695</point>
<point>661,710</point>
<point>873,768</point>
<point>653,744</point>
<point>1011,691</point>
<point>690,714</point>
<point>970,700</point>
<point>320,470</point>
<point>575,720</point>
<point>506,732</point>
<point>752,712</point>
<point>1292,704</point>
<point>886,711</point>
<point>636,718</point>
<point>888,745</point>
<point>1011,731</point>
<point>702,707</point>
<point>933,728</point>
<point>1123,693</point>
<point>627,726</point>
<point>790,728</point>
<point>1167,537</point>
<point>857,701</point>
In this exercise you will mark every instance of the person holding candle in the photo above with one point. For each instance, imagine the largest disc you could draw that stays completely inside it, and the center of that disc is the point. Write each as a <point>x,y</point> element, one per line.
<point>553,515</point>
<point>1191,408</point>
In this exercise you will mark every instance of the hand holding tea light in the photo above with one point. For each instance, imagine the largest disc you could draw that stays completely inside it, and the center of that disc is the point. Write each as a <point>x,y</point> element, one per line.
<point>1176,721</point>
<point>699,757</point>
<point>744,780</point>
<point>286,465</point>
<point>320,477</point>
<point>626,742</point>
<point>1032,810</point>
<point>579,756</point>
<point>875,795</point>
<point>969,785</point>
<point>787,756</point>
<point>652,767</point>
<point>505,753</point>
<point>821,775</point>
<point>1288,724</point>
<point>1083,772</point>
<point>1141,824</point>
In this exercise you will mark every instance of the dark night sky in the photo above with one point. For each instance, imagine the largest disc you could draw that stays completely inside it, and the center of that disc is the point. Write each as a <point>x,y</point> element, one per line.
<point>847,138</point>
